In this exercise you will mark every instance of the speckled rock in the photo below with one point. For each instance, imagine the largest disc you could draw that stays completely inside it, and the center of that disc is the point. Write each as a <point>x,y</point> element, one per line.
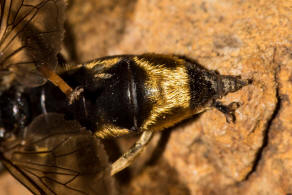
<point>206,155</point>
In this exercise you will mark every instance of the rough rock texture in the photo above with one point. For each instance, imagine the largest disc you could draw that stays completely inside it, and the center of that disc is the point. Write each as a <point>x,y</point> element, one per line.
<point>10,186</point>
<point>206,155</point>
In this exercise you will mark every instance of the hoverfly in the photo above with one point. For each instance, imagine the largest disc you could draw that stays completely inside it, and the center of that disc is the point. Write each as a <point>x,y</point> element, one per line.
<point>52,118</point>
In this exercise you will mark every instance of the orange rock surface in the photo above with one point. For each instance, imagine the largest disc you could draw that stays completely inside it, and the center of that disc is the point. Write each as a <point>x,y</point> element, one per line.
<point>205,155</point>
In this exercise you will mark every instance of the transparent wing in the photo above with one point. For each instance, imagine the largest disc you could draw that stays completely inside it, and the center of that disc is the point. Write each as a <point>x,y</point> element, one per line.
<point>31,32</point>
<point>56,156</point>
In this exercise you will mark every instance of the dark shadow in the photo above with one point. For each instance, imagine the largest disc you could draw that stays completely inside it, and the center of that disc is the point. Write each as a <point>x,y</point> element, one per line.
<point>159,179</point>
<point>165,135</point>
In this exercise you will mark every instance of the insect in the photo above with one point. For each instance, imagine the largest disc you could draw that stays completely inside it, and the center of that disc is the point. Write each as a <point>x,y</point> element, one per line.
<point>53,117</point>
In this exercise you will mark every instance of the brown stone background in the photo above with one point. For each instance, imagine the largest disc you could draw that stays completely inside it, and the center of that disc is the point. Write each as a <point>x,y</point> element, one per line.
<point>204,155</point>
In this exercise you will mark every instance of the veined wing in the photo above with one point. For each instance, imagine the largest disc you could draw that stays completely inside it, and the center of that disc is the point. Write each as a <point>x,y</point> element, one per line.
<point>31,32</point>
<point>56,156</point>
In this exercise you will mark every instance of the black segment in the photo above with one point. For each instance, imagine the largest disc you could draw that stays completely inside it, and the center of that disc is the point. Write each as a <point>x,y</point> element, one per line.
<point>109,101</point>
<point>203,84</point>
<point>120,100</point>
<point>144,103</point>
<point>113,98</point>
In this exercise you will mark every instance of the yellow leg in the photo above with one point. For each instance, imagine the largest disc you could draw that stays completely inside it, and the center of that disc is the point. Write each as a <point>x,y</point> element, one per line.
<point>127,158</point>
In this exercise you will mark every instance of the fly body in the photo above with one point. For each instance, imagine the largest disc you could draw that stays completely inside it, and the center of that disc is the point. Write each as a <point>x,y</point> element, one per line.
<point>148,92</point>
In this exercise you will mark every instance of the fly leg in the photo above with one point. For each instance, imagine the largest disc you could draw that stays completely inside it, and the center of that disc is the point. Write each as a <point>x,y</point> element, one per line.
<point>75,95</point>
<point>227,110</point>
<point>127,158</point>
